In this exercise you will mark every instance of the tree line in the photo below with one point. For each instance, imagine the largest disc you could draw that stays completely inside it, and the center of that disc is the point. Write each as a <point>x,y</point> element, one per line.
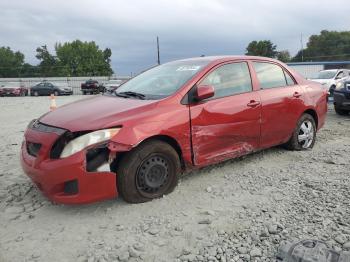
<point>326,46</point>
<point>79,58</point>
<point>75,58</point>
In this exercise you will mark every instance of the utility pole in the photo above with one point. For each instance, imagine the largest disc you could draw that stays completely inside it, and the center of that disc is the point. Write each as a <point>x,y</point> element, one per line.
<point>158,51</point>
<point>302,47</point>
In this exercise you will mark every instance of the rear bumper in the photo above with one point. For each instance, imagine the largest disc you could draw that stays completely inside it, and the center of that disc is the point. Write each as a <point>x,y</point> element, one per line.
<point>54,176</point>
<point>95,90</point>
<point>342,100</point>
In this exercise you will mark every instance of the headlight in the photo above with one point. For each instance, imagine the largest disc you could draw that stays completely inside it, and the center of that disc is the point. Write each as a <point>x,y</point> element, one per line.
<point>339,86</point>
<point>89,139</point>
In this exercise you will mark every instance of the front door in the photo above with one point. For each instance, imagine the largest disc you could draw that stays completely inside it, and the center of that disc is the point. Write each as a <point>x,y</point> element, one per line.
<point>228,124</point>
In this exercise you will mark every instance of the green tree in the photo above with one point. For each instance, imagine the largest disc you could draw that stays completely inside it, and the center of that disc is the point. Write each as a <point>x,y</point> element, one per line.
<point>29,70</point>
<point>10,62</point>
<point>327,46</point>
<point>49,65</point>
<point>83,59</point>
<point>283,56</point>
<point>261,48</point>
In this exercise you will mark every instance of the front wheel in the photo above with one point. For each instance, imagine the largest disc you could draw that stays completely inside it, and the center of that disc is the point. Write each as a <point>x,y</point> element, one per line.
<point>149,171</point>
<point>304,135</point>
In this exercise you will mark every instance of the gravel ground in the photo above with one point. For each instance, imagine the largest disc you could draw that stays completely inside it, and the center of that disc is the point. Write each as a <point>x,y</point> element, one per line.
<point>239,210</point>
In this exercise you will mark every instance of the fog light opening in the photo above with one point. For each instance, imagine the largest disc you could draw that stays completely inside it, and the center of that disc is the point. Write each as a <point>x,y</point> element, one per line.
<point>71,187</point>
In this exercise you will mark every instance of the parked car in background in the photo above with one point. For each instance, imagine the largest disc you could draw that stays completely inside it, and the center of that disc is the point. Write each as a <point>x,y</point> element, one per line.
<point>342,97</point>
<point>48,88</point>
<point>180,115</point>
<point>112,85</point>
<point>92,87</point>
<point>13,89</point>
<point>330,78</point>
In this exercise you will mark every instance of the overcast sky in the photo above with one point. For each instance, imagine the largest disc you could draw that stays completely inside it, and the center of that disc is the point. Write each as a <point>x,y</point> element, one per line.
<point>186,28</point>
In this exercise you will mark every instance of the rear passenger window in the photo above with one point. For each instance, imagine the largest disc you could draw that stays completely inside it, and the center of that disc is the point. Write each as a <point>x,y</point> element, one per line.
<point>229,79</point>
<point>290,80</point>
<point>269,75</point>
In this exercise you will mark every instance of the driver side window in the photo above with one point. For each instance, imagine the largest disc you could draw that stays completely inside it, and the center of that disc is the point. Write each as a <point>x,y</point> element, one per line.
<point>229,79</point>
<point>340,75</point>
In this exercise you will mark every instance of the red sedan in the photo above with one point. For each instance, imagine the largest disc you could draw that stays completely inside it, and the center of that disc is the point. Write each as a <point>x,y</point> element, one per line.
<point>181,115</point>
<point>12,89</point>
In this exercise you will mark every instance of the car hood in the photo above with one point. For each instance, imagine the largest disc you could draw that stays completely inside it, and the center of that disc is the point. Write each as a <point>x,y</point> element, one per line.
<point>95,113</point>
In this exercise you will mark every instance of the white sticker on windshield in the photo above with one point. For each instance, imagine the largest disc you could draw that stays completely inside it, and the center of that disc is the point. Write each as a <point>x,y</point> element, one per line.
<point>188,68</point>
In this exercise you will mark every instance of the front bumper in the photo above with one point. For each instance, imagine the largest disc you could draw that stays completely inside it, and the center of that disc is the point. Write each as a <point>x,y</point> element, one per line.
<point>342,100</point>
<point>10,94</point>
<point>53,175</point>
<point>66,92</point>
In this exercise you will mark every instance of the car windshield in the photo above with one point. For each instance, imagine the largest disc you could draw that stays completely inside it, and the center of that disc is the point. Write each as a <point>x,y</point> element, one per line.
<point>326,74</point>
<point>161,81</point>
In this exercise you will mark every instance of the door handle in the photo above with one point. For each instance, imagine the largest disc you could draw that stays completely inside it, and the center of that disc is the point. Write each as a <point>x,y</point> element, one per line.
<point>296,95</point>
<point>253,103</point>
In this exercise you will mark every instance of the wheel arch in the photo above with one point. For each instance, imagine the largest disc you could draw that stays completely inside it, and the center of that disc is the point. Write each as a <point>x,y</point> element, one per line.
<point>164,138</point>
<point>314,115</point>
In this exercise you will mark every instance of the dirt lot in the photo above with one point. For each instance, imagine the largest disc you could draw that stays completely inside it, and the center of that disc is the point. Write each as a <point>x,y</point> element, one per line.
<point>239,210</point>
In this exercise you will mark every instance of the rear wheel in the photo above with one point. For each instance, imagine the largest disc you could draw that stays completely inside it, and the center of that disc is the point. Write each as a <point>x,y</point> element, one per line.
<point>341,112</point>
<point>304,135</point>
<point>36,93</point>
<point>147,172</point>
<point>56,93</point>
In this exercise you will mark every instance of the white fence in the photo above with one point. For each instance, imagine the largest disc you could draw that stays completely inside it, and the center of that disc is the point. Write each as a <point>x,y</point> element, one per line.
<point>74,82</point>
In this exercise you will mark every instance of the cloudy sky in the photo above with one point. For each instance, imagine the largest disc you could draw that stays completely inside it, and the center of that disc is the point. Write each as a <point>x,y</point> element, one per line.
<point>186,28</point>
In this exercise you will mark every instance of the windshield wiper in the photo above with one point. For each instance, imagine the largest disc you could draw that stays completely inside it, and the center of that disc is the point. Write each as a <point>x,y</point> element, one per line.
<point>130,93</point>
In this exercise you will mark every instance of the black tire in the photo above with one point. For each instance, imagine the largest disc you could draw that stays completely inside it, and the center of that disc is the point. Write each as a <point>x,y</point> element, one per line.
<point>36,93</point>
<point>149,171</point>
<point>341,112</point>
<point>294,143</point>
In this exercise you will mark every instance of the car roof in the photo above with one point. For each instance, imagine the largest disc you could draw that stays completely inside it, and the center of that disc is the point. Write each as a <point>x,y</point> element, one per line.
<point>227,58</point>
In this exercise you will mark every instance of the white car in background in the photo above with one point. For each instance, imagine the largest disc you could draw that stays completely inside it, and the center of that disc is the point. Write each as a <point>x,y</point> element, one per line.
<point>330,78</point>
<point>112,85</point>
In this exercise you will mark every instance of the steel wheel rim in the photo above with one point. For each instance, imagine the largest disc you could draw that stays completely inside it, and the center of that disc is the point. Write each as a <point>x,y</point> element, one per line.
<point>152,176</point>
<point>306,134</point>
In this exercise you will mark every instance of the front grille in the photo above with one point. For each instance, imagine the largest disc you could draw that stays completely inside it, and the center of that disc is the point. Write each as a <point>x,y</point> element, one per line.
<point>38,126</point>
<point>33,148</point>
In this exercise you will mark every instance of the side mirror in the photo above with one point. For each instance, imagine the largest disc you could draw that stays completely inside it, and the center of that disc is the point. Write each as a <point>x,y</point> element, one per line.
<point>204,92</point>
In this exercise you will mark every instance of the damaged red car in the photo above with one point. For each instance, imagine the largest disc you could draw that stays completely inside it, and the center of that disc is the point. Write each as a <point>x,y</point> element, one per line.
<point>180,115</point>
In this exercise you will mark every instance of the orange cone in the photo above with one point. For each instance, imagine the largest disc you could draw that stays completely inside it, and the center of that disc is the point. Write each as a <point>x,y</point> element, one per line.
<point>53,105</point>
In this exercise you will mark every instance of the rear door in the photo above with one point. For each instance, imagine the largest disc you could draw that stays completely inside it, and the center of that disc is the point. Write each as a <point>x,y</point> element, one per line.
<point>226,125</point>
<point>40,88</point>
<point>281,100</point>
